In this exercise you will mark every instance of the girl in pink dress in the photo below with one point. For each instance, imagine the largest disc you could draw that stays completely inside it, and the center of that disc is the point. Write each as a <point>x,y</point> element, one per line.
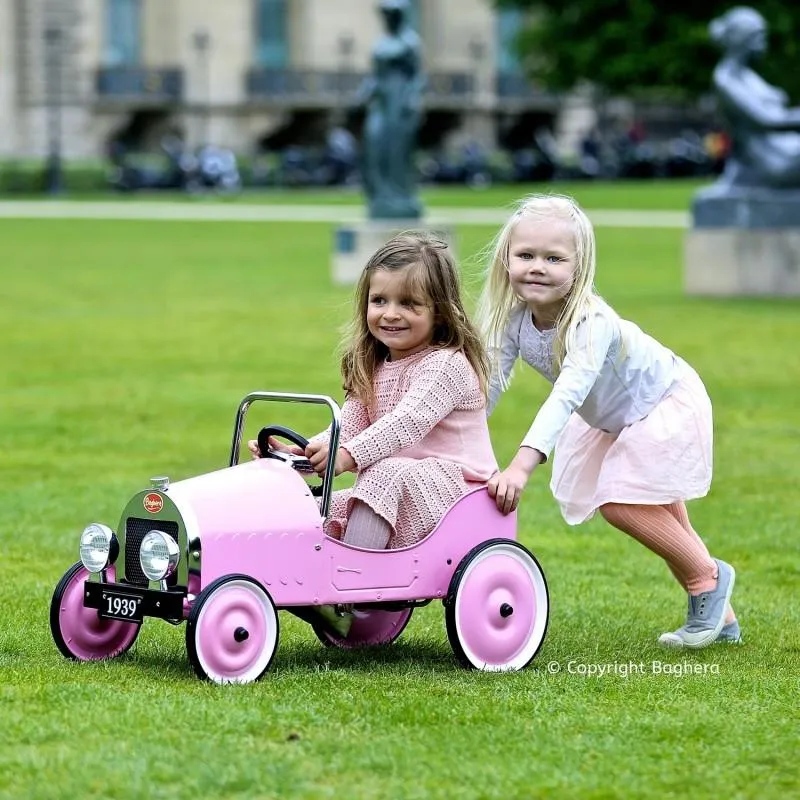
<point>630,422</point>
<point>414,426</point>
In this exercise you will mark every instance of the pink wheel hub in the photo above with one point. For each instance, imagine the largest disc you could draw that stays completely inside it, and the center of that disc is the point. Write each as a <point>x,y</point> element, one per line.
<point>236,632</point>
<point>497,586</point>
<point>85,635</point>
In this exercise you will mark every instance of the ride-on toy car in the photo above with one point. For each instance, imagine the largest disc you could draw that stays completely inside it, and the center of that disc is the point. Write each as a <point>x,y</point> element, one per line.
<point>226,550</point>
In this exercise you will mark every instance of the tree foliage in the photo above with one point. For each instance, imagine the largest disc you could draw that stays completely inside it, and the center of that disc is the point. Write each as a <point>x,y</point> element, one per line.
<point>645,48</point>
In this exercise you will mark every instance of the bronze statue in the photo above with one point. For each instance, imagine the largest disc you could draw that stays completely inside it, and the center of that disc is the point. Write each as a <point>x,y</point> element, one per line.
<point>765,134</point>
<point>393,96</point>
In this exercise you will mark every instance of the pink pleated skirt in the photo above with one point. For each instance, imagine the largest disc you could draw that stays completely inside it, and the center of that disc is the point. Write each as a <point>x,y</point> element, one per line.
<point>664,458</point>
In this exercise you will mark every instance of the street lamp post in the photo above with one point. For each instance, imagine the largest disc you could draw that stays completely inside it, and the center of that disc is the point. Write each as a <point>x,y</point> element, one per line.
<point>477,51</point>
<point>202,44</point>
<point>346,45</point>
<point>479,119</point>
<point>53,169</point>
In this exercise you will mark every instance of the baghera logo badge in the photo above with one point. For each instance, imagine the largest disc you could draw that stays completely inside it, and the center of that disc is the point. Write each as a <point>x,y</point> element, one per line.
<point>153,503</point>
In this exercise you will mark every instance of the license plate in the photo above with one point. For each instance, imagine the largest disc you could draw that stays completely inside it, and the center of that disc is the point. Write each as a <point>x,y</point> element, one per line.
<point>120,606</point>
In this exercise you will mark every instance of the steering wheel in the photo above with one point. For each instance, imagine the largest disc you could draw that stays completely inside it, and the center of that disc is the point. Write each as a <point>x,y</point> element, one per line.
<point>300,463</point>
<point>284,433</point>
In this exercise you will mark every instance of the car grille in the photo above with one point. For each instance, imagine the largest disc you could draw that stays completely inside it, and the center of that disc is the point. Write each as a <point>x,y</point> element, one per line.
<point>135,531</point>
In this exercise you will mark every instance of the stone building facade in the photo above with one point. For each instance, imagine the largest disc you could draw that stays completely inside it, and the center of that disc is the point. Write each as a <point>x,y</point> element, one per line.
<point>242,73</point>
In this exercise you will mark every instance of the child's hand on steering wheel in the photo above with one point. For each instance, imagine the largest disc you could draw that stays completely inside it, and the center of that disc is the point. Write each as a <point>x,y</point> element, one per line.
<point>276,445</point>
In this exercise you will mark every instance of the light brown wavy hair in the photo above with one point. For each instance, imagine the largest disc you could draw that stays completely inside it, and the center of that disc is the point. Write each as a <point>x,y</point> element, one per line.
<point>432,280</point>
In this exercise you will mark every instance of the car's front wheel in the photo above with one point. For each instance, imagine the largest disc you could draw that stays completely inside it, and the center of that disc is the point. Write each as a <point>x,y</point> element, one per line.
<point>232,631</point>
<point>81,633</point>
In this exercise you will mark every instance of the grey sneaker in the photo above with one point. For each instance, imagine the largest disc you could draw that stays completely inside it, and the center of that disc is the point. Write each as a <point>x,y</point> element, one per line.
<point>706,617</point>
<point>730,634</point>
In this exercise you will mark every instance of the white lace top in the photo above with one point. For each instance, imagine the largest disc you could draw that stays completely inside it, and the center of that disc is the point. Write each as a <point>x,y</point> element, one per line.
<point>616,377</point>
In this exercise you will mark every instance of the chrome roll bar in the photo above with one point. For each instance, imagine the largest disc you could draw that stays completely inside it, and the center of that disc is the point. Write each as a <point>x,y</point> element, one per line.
<point>287,397</point>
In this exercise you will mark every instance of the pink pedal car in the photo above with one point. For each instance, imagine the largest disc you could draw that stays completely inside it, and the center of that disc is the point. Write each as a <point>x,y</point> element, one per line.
<point>227,550</point>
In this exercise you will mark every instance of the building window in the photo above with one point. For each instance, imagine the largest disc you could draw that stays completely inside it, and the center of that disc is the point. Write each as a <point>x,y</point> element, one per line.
<point>123,28</point>
<point>509,24</point>
<point>272,33</point>
<point>414,16</point>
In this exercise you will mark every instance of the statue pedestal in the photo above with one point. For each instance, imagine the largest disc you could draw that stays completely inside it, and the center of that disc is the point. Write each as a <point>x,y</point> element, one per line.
<point>355,243</point>
<point>727,262</point>
<point>744,245</point>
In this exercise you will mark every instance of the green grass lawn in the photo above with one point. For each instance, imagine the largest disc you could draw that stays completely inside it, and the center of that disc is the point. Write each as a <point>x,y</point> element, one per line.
<point>126,348</point>
<point>656,195</point>
<point>642,195</point>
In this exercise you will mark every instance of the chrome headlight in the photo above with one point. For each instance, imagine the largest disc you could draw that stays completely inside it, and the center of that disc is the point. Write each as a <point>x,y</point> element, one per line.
<point>159,555</point>
<point>96,541</point>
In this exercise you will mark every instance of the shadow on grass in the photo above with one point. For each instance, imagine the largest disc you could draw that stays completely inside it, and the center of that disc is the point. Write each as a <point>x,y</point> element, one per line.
<point>409,653</point>
<point>160,654</point>
<point>308,657</point>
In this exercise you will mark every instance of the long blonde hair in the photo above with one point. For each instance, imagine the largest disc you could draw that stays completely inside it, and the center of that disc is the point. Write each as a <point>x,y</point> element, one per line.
<point>432,277</point>
<point>498,302</point>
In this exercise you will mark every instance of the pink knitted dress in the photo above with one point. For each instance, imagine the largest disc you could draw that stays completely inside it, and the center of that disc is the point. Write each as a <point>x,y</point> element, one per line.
<point>424,444</point>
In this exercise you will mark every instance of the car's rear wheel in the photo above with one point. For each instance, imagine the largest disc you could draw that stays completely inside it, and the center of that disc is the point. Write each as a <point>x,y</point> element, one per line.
<point>81,633</point>
<point>497,607</point>
<point>370,627</point>
<point>232,631</point>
